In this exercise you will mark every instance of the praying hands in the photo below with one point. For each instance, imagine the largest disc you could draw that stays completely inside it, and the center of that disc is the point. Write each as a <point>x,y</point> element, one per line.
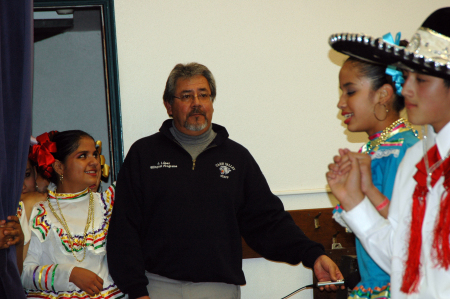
<point>350,180</point>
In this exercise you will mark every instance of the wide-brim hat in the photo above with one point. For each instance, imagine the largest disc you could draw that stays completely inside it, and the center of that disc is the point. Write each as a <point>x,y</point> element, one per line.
<point>428,51</point>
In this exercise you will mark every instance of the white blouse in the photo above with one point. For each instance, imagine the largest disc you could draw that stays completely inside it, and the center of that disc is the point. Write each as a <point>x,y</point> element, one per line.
<point>50,261</point>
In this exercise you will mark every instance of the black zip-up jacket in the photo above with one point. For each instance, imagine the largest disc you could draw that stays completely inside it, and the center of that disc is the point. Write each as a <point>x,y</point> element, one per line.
<point>183,219</point>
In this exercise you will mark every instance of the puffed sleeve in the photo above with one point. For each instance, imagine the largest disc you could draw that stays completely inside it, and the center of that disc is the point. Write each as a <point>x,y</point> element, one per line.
<point>24,222</point>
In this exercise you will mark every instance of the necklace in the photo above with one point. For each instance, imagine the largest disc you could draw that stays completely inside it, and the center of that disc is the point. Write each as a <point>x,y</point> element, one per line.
<point>62,220</point>
<point>385,134</point>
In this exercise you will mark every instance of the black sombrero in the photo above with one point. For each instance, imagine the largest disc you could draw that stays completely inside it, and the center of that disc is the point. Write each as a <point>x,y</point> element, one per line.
<point>428,51</point>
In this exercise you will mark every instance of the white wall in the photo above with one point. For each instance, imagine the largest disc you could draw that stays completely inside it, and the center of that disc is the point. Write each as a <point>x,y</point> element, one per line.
<point>277,83</point>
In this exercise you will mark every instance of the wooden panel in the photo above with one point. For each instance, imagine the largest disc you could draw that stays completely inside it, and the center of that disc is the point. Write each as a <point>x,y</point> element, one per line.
<point>324,234</point>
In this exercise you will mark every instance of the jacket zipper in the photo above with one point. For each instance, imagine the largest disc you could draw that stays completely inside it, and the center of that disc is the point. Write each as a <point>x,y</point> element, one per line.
<point>193,161</point>
<point>208,147</point>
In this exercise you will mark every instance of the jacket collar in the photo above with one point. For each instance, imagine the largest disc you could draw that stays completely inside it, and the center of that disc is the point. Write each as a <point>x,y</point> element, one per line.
<point>221,132</point>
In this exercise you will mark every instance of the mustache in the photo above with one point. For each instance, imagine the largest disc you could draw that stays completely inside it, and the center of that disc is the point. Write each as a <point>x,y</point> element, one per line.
<point>197,110</point>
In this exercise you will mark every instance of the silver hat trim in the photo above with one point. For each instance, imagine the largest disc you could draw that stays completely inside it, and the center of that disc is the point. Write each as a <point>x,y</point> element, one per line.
<point>428,49</point>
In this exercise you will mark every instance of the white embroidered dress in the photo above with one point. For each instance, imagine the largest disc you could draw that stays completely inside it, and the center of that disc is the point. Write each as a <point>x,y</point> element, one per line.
<point>50,261</point>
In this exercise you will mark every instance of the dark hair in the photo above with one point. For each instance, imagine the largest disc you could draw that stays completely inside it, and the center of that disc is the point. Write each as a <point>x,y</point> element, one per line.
<point>376,73</point>
<point>187,71</point>
<point>447,83</point>
<point>66,143</point>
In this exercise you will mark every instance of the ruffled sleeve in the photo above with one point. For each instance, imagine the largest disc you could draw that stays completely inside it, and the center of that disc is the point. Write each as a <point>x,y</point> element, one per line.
<point>52,277</point>
<point>39,223</point>
<point>24,222</point>
<point>107,198</point>
<point>337,216</point>
<point>107,202</point>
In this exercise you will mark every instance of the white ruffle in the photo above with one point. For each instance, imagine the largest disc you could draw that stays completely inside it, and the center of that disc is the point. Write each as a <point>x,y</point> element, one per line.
<point>381,153</point>
<point>338,218</point>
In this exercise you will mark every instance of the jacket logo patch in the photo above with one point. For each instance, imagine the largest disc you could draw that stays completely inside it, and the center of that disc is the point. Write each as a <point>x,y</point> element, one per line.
<point>225,169</point>
<point>163,164</point>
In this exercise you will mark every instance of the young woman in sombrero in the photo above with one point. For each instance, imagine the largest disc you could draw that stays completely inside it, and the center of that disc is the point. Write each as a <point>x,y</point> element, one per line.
<point>67,252</point>
<point>371,102</point>
<point>412,244</point>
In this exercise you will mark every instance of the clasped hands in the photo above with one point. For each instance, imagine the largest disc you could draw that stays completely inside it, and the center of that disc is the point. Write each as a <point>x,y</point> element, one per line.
<point>350,178</point>
<point>10,232</point>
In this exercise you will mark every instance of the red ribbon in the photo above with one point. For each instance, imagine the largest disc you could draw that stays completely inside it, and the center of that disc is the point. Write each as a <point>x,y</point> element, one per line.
<point>41,153</point>
<point>441,248</point>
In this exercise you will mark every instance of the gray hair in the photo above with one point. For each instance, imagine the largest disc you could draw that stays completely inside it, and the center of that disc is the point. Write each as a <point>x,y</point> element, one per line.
<point>188,71</point>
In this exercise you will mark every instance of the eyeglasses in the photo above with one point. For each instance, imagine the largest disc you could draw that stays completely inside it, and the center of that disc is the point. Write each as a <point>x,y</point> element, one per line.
<point>189,97</point>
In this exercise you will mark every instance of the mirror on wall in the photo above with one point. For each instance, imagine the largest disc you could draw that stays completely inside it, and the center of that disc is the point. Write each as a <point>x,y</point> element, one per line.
<point>76,82</point>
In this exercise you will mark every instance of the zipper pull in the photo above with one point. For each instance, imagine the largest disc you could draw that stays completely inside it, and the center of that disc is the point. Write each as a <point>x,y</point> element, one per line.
<point>193,164</point>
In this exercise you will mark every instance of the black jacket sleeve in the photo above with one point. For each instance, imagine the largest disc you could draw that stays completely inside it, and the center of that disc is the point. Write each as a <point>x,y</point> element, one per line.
<point>124,246</point>
<point>268,228</point>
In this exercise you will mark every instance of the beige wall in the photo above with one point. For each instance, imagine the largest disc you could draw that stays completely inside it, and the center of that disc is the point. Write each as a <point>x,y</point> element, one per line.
<point>277,86</point>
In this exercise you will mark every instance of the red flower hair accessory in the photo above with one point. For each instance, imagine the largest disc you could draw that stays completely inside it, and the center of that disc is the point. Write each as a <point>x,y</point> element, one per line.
<point>41,153</point>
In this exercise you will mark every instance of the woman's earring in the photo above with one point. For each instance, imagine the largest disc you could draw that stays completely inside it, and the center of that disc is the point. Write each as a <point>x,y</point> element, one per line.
<point>61,178</point>
<point>385,109</point>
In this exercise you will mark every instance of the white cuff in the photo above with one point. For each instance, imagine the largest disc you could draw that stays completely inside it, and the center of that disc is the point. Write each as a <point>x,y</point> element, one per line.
<point>362,217</point>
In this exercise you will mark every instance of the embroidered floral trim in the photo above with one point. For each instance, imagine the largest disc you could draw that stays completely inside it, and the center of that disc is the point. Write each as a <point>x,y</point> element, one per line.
<point>393,142</point>
<point>377,293</point>
<point>110,292</point>
<point>68,196</point>
<point>375,141</point>
<point>20,209</point>
<point>94,240</point>
<point>40,222</point>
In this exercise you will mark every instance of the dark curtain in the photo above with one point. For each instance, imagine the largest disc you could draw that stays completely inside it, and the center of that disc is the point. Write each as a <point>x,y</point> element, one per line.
<point>16,82</point>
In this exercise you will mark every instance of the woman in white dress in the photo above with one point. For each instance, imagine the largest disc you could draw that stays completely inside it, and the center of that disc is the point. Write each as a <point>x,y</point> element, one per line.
<point>67,253</point>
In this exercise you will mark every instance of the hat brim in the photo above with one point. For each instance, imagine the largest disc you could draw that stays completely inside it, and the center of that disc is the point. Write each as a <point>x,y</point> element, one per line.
<point>377,50</point>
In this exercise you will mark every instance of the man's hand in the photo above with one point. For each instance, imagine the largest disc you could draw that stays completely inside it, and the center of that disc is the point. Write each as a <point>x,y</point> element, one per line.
<point>326,270</point>
<point>86,280</point>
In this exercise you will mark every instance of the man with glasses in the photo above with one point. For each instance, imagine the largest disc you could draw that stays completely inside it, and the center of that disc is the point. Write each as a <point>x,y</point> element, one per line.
<point>184,197</point>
